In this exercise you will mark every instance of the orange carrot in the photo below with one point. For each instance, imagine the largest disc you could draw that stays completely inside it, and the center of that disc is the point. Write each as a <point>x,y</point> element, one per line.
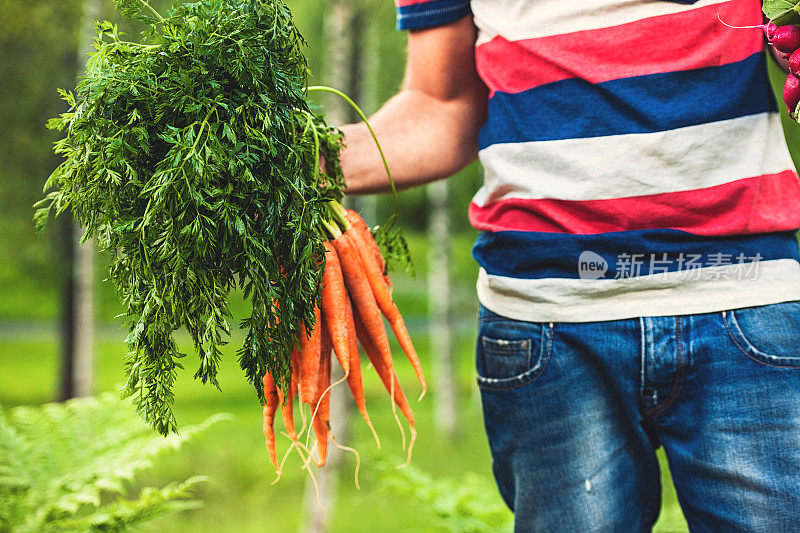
<point>361,294</point>
<point>287,400</point>
<point>321,422</point>
<point>302,338</point>
<point>334,294</point>
<point>354,380</point>
<point>387,305</point>
<point>390,381</point>
<point>383,371</point>
<point>372,247</point>
<point>309,359</point>
<point>295,379</point>
<point>271,406</point>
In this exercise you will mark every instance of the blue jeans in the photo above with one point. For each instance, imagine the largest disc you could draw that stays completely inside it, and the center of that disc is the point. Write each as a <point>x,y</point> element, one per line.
<point>575,411</point>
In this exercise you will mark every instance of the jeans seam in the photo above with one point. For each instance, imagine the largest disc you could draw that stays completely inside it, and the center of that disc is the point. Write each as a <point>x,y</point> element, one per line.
<point>505,319</point>
<point>745,351</point>
<point>642,359</point>
<point>678,385</point>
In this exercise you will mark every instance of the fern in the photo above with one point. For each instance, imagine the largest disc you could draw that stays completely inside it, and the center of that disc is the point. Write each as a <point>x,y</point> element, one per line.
<point>460,505</point>
<point>69,466</point>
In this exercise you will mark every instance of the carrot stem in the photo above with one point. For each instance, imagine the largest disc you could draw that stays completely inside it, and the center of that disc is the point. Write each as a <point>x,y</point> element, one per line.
<point>363,117</point>
<point>338,214</point>
<point>332,230</point>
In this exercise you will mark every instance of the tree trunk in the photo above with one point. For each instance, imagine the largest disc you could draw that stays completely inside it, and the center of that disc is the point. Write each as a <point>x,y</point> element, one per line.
<point>318,514</point>
<point>66,257</point>
<point>440,324</point>
<point>339,36</point>
<point>365,54</point>
<point>77,372</point>
<point>342,33</point>
<point>83,312</point>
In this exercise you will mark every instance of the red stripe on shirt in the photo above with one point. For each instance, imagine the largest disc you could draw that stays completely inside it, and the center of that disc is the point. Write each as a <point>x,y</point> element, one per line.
<point>752,205</point>
<point>666,43</point>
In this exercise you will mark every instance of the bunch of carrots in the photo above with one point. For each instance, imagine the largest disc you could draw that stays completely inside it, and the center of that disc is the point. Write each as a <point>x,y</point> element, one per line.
<point>356,295</point>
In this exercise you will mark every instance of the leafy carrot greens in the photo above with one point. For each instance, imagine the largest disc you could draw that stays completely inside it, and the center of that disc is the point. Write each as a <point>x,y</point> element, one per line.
<point>192,156</point>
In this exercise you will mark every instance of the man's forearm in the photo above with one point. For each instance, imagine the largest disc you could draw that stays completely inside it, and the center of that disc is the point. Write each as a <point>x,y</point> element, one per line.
<point>424,139</point>
<point>429,130</point>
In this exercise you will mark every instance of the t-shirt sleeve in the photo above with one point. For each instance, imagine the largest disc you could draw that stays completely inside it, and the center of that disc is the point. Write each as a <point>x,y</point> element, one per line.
<point>418,14</point>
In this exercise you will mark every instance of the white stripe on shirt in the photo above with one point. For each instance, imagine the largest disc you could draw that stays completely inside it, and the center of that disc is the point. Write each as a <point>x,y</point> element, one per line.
<point>684,159</point>
<point>671,293</point>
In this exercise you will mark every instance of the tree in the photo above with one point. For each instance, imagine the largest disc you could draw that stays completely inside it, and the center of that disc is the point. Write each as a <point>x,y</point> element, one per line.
<point>439,310</point>
<point>77,373</point>
<point>41,49</point>
<point>343,31</point>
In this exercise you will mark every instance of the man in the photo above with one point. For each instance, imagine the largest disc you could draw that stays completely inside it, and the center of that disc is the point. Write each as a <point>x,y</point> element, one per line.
<point>639,278</point>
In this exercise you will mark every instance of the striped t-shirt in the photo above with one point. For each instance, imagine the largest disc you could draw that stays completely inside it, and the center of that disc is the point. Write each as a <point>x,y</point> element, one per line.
<point>634,159</point>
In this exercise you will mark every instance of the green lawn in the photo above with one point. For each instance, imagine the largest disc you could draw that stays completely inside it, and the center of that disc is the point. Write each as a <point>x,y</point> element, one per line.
<point>240,497</point>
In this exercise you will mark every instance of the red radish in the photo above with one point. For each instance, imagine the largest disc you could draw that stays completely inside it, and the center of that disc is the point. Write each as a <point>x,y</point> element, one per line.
<point>791,93</point>
<point>769,30</point>
<point>786,38</point>
<point>794,62</point>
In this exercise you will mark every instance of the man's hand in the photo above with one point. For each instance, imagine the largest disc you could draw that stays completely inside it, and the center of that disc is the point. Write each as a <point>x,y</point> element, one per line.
<point>429,130</point>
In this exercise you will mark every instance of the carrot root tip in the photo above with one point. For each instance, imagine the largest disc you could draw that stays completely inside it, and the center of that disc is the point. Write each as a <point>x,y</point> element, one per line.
<point>410,449</point>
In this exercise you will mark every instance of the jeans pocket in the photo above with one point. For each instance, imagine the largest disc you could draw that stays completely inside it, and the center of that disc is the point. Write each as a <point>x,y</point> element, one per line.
<point>511,353</point>
<point>768,334</point>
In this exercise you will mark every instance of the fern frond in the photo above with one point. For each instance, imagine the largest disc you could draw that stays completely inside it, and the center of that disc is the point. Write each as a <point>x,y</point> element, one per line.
<point>14,478</point>
<point>59,463</point>
<point>152,503</point>
<point>461,505</point>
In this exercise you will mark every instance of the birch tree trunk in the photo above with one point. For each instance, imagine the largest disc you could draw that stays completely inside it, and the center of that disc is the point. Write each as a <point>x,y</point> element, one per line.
<point>83,278</point>
<point>341,32</point>
<point>440,323</point>
<point>66,257</point>
<point>365,79</point>
<point>83,314</point>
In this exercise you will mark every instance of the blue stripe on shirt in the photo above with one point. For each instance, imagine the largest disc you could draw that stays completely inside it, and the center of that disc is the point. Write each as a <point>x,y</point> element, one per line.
<point>534,255</point>
<point>575,108</point>
<point>428,14</point>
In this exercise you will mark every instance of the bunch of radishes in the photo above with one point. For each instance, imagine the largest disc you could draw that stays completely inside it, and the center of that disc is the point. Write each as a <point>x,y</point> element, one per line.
<point>786,40</point>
